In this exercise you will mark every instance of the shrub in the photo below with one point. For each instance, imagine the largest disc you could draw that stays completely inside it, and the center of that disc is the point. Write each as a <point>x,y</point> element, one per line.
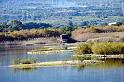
<point>83,49</point>
<point>23,61</point>
<point>108,48</point>
<point>28,61</point>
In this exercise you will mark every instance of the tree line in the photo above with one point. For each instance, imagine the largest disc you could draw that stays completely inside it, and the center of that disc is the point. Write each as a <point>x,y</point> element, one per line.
<point>16,25</point>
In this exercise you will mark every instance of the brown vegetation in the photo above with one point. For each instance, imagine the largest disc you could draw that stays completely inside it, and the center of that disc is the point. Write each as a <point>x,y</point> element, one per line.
<point>104,39</point>
<point>83,34</point>
<point>27,34</point>
<point>102,48</point>
<point>97,29</point>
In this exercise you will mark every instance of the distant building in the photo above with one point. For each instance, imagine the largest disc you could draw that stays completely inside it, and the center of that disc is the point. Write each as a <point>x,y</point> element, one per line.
<point>115,23</point>
<point>64,38</point>
<point>112,23</point>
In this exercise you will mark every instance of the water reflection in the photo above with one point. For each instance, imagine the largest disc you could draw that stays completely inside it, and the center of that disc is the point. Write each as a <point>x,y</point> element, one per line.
<point>111,63</point>
<point>7,54</point>
<point>107,64</point>
<point>15,70</point>
<point>79,67</point>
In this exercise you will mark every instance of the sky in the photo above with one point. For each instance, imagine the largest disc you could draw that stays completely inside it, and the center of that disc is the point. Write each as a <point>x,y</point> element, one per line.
<point>53,3</point>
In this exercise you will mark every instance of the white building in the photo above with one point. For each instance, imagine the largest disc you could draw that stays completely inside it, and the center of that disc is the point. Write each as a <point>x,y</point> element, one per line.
<point>115,23</point>
<point>112,23</point>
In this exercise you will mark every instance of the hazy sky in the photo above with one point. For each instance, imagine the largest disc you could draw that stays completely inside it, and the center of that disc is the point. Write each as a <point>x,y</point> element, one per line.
<point>54,3</point>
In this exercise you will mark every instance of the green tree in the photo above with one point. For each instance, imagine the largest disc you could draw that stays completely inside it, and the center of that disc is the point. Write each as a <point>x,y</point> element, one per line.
<point>15,25</point>
<point>1,28</point>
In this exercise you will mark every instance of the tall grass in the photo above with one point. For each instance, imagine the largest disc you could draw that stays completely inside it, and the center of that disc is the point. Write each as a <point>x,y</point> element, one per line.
<point>103,48</point>
<point>83,49</point>
<point>108,48</point>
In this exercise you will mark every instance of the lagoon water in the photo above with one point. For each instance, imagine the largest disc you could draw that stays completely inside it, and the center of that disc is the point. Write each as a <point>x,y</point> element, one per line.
<point>112,71</point>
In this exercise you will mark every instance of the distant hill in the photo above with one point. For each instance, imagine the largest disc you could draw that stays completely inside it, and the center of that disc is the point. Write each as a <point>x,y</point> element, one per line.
<point>80,12</point>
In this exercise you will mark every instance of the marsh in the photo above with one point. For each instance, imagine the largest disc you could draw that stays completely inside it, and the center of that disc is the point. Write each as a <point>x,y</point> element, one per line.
<point>111,71</point>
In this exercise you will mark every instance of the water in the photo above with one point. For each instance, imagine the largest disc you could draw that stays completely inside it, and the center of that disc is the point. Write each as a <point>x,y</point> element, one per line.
<point>111,71</point>
<point>10,53</point>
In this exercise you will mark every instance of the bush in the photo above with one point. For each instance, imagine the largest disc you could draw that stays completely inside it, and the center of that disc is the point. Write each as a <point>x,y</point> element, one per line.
<point>103,48</point>
<point>28,61</point>
<point>108,48</point>
<point>23,61</point>
<point>83,49</point>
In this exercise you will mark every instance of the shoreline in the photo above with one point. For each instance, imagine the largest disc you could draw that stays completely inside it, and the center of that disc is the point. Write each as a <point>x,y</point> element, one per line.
<point>48,52</point>
<point>101,56</point>
<point>56,63</point>
<point>32,41</point>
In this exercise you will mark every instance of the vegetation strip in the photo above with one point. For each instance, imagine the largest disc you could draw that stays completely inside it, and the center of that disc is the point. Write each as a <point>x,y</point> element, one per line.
<point>46,52</point>
<point>55,63</point>
<point>101,48</point>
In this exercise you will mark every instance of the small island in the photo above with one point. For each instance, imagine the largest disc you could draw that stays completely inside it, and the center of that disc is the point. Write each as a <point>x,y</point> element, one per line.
<point>55,63</point>
<point>49,50</point>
